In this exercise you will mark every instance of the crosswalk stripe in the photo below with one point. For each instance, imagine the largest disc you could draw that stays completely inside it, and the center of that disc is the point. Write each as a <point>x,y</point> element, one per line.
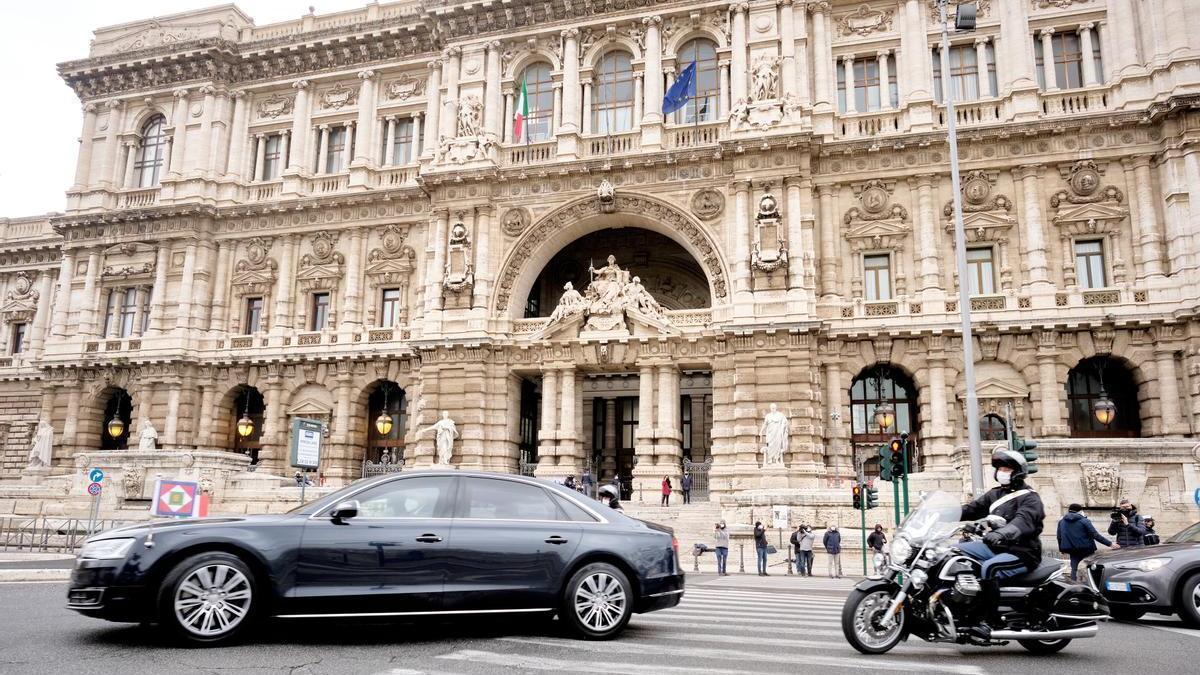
<point>768,596</point>
<point>803,617</point>
<point>723,625</point>
<point>523,662</point>
<point>709,638</point>
<point>855,661</point>
<point>755,602</point>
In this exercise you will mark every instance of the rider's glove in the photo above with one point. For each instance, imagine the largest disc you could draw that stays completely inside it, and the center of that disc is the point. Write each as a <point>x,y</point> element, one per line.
<point>993,538</point>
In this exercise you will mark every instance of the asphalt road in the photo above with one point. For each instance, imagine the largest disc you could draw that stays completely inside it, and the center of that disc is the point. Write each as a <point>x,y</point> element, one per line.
<point>729,625</point>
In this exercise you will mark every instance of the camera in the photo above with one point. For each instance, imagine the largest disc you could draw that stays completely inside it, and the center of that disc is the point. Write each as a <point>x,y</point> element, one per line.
<point>1116,515</point>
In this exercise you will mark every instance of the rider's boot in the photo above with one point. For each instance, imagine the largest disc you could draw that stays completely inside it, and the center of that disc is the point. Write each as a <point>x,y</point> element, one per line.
<point>986,604</point>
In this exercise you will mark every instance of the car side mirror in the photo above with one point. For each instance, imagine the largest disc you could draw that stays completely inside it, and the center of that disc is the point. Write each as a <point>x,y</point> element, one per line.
<point>344,510</point>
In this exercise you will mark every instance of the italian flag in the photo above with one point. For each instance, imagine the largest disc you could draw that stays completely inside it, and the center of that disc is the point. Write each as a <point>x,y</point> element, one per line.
<point>521,112</point>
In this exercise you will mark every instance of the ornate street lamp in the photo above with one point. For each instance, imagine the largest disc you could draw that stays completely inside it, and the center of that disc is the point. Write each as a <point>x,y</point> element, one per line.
<point>885,416</point>
<point>245,425</point>
<point>383,423</point>
<point>116,425</point>
<point>1104,409</point>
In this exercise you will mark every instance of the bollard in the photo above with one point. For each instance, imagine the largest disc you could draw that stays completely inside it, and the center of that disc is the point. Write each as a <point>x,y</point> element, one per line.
<point>789,559</point>
<point>695,562</point>
<point>741,558</point>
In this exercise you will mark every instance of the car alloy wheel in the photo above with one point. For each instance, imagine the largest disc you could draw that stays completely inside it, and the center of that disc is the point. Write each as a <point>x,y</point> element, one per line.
<point>212,600</point>
<point>600,602</point>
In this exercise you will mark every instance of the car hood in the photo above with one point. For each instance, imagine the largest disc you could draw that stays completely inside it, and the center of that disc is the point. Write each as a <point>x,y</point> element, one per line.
<point>1142,552</point>
<point>176,523</point>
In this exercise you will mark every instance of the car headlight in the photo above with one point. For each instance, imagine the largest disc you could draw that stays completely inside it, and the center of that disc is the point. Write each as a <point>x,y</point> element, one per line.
<point>106,549</point>
<point>901,549</point>
<point>1147,565</point>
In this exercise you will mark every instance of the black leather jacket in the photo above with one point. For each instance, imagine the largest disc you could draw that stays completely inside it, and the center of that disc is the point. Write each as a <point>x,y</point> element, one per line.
<point>1024,514</point>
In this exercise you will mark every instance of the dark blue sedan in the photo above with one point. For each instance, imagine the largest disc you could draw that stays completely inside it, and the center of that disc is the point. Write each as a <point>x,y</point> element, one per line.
<point>408,545</point>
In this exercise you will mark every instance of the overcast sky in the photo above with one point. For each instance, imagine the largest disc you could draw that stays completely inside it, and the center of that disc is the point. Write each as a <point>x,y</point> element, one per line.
<point>40,115</point>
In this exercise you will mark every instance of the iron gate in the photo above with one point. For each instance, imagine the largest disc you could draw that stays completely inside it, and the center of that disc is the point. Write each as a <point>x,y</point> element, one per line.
<point>699,473</point>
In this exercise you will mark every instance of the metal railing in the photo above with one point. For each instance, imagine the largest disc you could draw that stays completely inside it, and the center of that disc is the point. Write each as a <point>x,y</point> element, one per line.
<point>386,464</point>
<point>42,534</point>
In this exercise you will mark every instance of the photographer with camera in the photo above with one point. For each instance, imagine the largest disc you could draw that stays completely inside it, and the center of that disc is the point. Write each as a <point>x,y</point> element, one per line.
<point>1127,525</point>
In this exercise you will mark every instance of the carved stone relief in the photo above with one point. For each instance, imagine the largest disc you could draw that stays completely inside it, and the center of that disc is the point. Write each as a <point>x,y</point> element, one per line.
<point>404,87</point>
<point>515,221</point>
<point>1101,483</point>
<point>865,21</point>
<point>275,106</point>
<point>338,96</point>
<point>708,203</point>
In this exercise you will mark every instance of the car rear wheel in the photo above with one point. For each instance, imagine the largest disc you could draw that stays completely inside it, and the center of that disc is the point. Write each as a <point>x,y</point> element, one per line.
<point>1189,606</point>
<point>209,598</point>
<point>1045,646</point>
<point>597,602</point>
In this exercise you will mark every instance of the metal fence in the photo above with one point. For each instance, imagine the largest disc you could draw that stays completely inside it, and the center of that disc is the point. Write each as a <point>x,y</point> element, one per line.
<point>385,465</point>
<point>43,534</point>
<point>699,472</point>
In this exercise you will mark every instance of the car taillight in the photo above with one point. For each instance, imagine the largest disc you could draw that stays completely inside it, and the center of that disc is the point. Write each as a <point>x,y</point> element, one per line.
<point>675,545</point>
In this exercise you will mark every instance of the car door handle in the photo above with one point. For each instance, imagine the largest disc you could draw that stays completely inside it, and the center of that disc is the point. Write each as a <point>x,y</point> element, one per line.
<point>429,539</point>
<point>556,540</point>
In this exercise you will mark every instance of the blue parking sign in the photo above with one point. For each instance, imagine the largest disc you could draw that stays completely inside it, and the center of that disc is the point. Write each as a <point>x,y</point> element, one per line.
<point>1196,496</point>
<point>95,475</point>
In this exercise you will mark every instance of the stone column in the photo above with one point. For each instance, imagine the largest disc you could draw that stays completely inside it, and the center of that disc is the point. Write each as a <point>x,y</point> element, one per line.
<point>417,134</point>
<point>108,160</point>
<point>450,69</point>
<point>1049,73</point>
<point>1034,238</point>
<point>237,136</point>
<point>158,292</point>
<point>914,48</point>
<point>668,419</point>
<point>556,114</point>
<point>388,157</point>
<point>1121,36</point>
<point>587,105</point>
<point>483,253</point>
<point>139,316</point>
<point>1050,388</point>
<point>741,242</point>
<point>297,157</point>
<point>352,311</point>
<point>568,439</point>
<point>322,149</point>
<point>284,151</point>
<point>203,148</point>
<point>83,163</point>
<point>851,104</point>
<point>508,116</point>
<point>1146,224</point>
<point>71,424</point>
<point>570,115</point>
<point>493,101</point>
<point>274,424</point>
<point>347,149</point>
<point>131,149</point>
<point>738,56</point>
<point>885,87</point>
<point>644,436</point>
<point>938,396</point>
<point>787,50</point>
<point>435,271</point>
<point>183,318</point>
<point>62,301</point>
<point>1016,65</point>
<point>547,436</point>
<point>366,119</point>
<point>723,70</point>
<point>836,430</point>
<point>433,108</point>
<point>610,467</point>
<point>829,232</point>
<point>928,246</point>
<point>204,419</point>
<point>637,95</point>
<point>341,411</point>
<point>179,138</point>
<point>797,251</point>
<point>111,329</point>
<point>822,57</point>
<point>220,308</point>
<point>42,315</point>
<point>1168,391</point>
<point>171,431</point>
<point>653,87</point>
<point>284,291</point>
<point>981,60</point>
<point>87,319</point>
<point>259,143</point>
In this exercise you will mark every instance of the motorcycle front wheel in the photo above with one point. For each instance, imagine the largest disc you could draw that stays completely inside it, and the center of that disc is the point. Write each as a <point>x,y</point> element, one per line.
<point>1043,647</point>
<point>861,621</point>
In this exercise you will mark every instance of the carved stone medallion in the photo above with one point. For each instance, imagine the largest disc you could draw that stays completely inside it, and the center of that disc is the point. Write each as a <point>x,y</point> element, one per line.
<point>875,197</point>
<point>1085,178</point>
<point>708,203</point>
<point>393,239</point>
<point>515,221</point>
<point>976,188</point>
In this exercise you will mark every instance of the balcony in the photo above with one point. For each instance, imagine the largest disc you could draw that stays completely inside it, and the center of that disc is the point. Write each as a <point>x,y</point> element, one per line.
<point>329,183</point>
<point>400,176</point>
<point>697,135</point>
<point>533,153</point>
<point>263,192</point>
<point>136,199</point>
<point>1074,102</point>
<point>869,125</point>
<point>616,144</point>
<point>971,113</point>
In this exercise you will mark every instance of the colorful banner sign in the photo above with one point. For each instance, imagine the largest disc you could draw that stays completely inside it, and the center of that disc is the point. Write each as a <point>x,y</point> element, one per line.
<point>178,499</point>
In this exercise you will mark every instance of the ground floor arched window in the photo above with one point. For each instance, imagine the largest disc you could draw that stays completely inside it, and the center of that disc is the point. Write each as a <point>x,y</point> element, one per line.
<point>386,421</point>
<point>992,428</point>
<point>248,412</point>
<point>1102,399</point>
<point>874,388</point>
<point>116,421</point>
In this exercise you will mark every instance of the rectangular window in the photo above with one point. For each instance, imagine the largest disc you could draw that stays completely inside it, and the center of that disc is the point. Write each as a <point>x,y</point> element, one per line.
<point>981,271</point>
<point>1067,59</point>
<point>389,313</point>
<point>335,147</point>
<point>685,424</point>
<point>272,161</point>
<point>628,408</point>
<point>16,343</point>
<point>254,309</point>
<point>878,272</point>
<point>128,311</point>
<point>1089,263</point>
<point>320,311</point>
<point>599,409</point>
<point>964,72</point>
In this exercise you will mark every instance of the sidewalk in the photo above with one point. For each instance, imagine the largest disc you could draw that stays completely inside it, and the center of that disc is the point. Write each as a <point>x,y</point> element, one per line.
<point>19,566</point>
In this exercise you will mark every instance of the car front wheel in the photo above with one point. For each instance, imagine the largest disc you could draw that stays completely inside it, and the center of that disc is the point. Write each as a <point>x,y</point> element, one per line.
<point>1189,606</point>
<point>209,598</point>
<point>597,602</point>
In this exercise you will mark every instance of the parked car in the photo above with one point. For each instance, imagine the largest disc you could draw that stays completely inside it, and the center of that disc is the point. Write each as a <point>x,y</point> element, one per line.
<point>1164,579</point>
<point>404,545</point>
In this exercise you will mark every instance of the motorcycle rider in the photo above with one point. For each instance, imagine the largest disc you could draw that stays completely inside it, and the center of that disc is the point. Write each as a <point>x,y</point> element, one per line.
<point>1010,550</point>
<point>608,495</point>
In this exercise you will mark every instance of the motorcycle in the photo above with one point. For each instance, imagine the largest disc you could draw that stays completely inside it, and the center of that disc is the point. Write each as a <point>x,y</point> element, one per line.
<point>930,589</point>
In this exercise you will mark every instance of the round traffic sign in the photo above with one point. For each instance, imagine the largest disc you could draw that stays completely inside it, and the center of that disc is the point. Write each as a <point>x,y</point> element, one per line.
<point>95,475</point>
<point>94,489</point>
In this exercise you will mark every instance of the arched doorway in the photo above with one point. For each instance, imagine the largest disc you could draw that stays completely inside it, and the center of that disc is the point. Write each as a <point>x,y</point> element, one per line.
<point>118,416</point>
<point>992,428</point>
<point>248,403</point>
<point>1097,379</point>
<point>873,387</point>
<point>387,420</point>
<point>666,269</point>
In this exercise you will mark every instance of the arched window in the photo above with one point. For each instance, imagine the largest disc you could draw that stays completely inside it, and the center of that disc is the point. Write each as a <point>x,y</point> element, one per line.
<point>540,88</point>
<point>992,428</point>
<point>248,403</point>
<point>387,400</point>
<point>119,407</point>
<point>612,104</point>
<point>703,106</point>
<point>152,152</point>
<point>1102,378</point>
<point>872,388</point>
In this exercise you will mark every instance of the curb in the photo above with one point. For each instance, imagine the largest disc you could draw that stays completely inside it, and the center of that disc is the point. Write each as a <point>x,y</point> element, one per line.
<point>19,575</point>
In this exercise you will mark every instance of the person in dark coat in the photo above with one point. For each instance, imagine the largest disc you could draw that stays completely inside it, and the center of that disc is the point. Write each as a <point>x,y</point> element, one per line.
<point>833,548</point>
<point>1151,537</point>
<point>877,539</point>
<point>1127,525</point>
<point>760,547</point>
<point>686,485</point>
<point>1077,537</point>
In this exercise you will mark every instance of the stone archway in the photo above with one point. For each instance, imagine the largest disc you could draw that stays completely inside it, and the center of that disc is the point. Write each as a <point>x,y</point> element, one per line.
<point>539,243</point>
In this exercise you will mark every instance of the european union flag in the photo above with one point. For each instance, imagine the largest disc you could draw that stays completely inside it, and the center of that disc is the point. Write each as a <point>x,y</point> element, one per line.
<point>682,91</point>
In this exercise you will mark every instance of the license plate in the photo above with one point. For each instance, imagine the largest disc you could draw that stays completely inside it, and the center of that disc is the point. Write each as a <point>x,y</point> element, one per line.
<point>1117,586</point>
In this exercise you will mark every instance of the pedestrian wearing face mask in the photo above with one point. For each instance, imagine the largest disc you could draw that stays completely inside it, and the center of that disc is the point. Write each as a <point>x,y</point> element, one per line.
<point>721,539</point>
<point>833,548</point>
<point>804,550</point>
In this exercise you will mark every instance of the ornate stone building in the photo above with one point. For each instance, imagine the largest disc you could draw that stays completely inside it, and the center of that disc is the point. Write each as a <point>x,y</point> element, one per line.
<point>336,217</point>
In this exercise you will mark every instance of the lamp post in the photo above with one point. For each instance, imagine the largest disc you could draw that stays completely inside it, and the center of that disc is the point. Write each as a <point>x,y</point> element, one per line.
<point>964,20</point>
<point>885,416</point>
<point>383,423</point>
<point>116,426</point>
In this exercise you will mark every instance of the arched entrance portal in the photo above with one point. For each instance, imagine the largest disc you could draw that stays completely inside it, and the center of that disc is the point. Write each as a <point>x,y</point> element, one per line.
<point>664,267</point>
<point>118,416</point>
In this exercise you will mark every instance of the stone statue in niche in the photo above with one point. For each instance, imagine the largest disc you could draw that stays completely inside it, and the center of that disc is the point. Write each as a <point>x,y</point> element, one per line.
<point>765,74</point>
<point>569,304</point>
<point>611,293</point>
<point>445,431</point>
<point>470,115</point>
<point>774,436</point>
<point>148,436</point>
<point>42,449</point>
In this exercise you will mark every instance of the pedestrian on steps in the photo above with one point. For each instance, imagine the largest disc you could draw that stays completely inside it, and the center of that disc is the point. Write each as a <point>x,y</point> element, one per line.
<point>833,547</point>
<point>721,540</point>
<point>686,485</point>
<point>760,547</point>
<point>666,491</point>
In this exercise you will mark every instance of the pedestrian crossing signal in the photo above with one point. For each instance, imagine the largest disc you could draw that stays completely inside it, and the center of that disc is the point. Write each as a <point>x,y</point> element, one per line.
<point>856,492</point>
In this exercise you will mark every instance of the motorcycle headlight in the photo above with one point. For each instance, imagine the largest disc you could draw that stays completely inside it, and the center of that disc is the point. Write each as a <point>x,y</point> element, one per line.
<point>901,549</point>
<point>106,549</point>
<point>1147,565</point>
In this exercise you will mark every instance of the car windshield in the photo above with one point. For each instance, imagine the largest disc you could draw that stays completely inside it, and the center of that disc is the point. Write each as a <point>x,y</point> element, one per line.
<point>313,505</point>
<point>1189,535</point>
<point>936,517</point>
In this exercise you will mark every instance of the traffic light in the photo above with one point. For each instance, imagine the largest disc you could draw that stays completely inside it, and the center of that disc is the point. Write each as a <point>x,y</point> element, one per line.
<point>896,450</point>
<point>856,492</point>
<point>886,467</point>
<point>1026,447</point>
<point>872,496</point>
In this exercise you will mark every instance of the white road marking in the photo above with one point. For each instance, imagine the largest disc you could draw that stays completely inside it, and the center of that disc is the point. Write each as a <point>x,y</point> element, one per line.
<point>607,665</point>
